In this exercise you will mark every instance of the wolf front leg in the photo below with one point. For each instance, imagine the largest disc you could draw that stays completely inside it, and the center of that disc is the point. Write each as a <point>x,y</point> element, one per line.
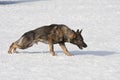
<point>62,45</point>
<point>51,46</point>
<point>11,48</point>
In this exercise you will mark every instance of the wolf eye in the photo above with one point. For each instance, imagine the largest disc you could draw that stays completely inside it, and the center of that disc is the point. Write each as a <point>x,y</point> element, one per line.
<point>75,38</point>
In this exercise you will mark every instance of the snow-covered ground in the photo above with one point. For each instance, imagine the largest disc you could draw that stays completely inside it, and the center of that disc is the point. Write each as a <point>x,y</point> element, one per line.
<point>100,21</point>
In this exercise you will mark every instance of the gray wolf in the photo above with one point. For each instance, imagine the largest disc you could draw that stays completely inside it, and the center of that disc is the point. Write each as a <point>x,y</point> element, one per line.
<point>50,34</point>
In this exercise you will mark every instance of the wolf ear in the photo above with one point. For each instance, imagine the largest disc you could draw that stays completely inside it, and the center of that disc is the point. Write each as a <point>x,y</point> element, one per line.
<point>81,31</point>
<point>77,30</point>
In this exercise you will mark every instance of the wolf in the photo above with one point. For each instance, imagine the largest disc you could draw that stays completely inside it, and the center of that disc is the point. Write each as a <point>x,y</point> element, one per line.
<point>50,34</point>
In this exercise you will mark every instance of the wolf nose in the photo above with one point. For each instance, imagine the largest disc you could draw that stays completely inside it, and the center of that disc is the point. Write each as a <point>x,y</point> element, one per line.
<point>85,45</point>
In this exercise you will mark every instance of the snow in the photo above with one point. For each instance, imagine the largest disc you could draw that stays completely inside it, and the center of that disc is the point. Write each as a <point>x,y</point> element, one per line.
<point>99,20</point>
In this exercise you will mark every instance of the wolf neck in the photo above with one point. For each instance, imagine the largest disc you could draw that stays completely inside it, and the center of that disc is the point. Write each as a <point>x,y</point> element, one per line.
<point>68,37</point>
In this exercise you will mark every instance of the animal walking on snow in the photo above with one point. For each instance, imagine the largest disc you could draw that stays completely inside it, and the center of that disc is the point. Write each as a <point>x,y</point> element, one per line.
<point>50,34</point>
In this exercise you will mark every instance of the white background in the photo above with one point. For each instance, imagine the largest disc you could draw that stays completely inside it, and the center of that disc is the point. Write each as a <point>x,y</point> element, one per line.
<point>100,21</point>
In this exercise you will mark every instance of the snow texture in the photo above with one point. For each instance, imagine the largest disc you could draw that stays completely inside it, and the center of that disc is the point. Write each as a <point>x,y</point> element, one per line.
<point>100,21</point>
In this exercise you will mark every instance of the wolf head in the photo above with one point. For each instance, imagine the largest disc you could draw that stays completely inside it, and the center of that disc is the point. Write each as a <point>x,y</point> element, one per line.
<point>78,40</point>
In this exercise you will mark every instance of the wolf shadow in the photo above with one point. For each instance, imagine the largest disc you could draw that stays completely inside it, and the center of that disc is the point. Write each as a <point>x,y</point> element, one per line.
<point>74,53</point>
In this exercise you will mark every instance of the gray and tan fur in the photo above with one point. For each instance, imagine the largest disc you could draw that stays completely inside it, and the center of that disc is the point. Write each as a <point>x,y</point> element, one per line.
<point>51,34</point>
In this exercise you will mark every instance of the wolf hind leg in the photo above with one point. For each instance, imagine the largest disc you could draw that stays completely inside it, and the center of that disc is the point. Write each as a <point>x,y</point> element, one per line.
<point>13,48</point>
